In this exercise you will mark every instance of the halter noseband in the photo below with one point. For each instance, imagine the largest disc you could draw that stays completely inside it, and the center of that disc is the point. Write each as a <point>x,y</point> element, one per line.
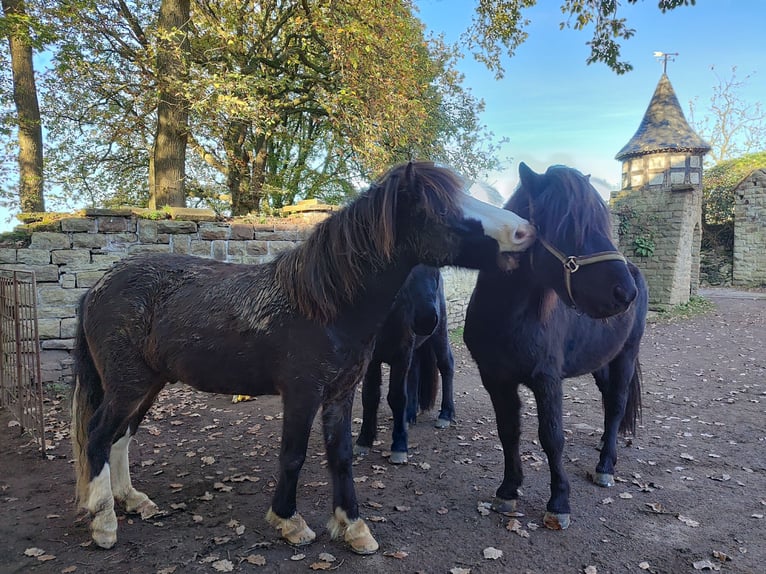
<point>572,263</point>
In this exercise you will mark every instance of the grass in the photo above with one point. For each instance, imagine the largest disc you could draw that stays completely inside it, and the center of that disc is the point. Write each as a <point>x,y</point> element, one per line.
<point>456,336</point>
<point>695,307</point>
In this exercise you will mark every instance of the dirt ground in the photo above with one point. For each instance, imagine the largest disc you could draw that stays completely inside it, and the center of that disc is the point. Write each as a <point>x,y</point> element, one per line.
<point>690,496</point>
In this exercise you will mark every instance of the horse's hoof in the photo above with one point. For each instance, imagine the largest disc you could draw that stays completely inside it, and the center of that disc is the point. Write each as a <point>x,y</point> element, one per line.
<point>138,503</point>
<point>503,505</point>
<point>360,450</point>
<point>103,529</point>
<point>555,521</point>
<point>398,457</point>
<point>442,423</point>
<point>356,533</point>
<point>294,529</point>
<point>604,479</point>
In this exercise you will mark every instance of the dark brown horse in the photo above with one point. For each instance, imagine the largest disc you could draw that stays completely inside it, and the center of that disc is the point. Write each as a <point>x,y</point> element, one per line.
<point>302,326</point>
<point>574,306</point>
<point>414,341</point>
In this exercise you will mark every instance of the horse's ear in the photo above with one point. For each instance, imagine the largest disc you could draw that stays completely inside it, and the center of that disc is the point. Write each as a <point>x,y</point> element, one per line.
<point>529,179</point>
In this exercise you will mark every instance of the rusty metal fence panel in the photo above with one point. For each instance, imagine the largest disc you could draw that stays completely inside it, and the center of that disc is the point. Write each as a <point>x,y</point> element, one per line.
<point>21,389</point>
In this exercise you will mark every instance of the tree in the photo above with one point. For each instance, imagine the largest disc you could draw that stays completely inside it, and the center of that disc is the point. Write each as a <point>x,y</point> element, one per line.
<point>501,23</point>
<point>16,25</point>
<point>720,181</point>
<point>731,125</point>
<point>167,169</point>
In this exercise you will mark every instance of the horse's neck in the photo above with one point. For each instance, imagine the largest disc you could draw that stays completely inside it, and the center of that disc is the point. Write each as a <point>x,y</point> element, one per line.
<point>518,292</point>
<point>364,316</point>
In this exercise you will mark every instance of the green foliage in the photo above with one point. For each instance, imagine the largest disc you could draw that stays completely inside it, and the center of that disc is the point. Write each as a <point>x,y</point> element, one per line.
<point>456,336</point>
<point>502,23</point>
<point>643,246</point>
<point>695,307</point>
<point>720,181</point>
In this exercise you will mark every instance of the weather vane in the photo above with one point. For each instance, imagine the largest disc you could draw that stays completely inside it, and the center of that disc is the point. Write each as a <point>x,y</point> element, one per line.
<point>665,56</point>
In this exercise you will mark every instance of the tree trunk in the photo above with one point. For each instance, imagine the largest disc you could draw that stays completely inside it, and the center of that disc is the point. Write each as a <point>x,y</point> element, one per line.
<point>172,108</point>
<point>27,109</point>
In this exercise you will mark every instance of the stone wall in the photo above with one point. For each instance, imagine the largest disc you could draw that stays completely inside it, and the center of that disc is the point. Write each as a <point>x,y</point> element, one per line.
<point>72,258</point>
<point>750,231</point>
<point>670,221</point>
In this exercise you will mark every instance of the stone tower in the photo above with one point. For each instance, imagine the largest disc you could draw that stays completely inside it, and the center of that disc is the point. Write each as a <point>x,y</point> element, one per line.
<point>658,211</point>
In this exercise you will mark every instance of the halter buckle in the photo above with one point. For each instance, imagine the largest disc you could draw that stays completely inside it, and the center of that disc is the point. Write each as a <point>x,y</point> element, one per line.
<point>571,264</point>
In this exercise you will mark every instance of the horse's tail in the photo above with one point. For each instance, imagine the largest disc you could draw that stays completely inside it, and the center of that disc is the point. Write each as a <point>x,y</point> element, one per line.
<point>86,397</point>
<point>428,376</point>
<point>633,404</point>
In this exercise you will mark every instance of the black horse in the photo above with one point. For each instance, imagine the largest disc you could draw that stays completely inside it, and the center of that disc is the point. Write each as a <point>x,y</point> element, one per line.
<point>302,325</point>
<point>414,342</point>
<point>574,306</point>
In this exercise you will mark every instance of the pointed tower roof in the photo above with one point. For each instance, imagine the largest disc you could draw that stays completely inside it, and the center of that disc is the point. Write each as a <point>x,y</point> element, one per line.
<point>664,127</point>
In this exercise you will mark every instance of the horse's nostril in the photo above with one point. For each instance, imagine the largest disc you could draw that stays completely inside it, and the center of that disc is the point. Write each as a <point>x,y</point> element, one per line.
<point>623,295</point>
<point>525,232</point>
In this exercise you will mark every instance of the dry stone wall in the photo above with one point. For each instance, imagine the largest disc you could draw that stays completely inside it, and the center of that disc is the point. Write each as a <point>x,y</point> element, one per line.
<point>72,258</point>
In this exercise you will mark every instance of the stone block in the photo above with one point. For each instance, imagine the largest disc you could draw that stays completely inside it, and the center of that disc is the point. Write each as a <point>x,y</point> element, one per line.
<point>55,295</point>
<point>78,224</point>
<point>70,256</point>
<point>49,328</point>
<point>147,231</point>
<point>104,260</point>
<point>219,250</point>
<point>7,255</point>
<point>172,226</point>
<point>180,244</point>
<point>156,248</point>
<point>52,344</point>
<point>88,278</point>
<point>276,247</point>
<point>214,231</point>
<point>114,224</point>
<point>34,256</point>
<point>68,328</point>
<point>240,231</point>
<point>256,248</point>
<point>56,311</point>
<point>49,240</point>
<point>192,214</point>
<point>43,273</point>
<point>201,248</point>
<point>68,281</point>
<point>89,240</point>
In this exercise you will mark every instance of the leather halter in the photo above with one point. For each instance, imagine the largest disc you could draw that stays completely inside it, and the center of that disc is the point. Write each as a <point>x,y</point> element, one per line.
<point>572,263</point>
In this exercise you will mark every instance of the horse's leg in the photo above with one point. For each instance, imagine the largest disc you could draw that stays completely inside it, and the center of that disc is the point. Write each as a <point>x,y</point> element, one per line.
<point>370,401</point>
<point>397,400</point>
<point>507,405</point>
<point>549,396</point>
<point>110,421</point>
<point>300,408</point>
<point>345,521</point>
<point>446,364</point>
<point>413,389</point>
<point>136,502</point>
<point>612,381</point>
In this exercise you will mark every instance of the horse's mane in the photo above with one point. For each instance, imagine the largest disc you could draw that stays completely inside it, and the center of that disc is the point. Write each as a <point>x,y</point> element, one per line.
<point>326,270</point>
<point>568,199</point>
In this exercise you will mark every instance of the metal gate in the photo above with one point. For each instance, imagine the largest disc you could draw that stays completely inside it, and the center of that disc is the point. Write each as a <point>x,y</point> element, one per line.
<point>21,389</point>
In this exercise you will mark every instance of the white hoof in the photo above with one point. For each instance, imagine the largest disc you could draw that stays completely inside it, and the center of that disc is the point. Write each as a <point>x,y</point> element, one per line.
<point>294,529</point>
<point>356,533</point>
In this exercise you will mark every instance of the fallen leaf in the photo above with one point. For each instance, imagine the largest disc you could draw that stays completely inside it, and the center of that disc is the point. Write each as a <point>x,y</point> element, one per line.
<point>34,552</point>
<point>377,484</point>
<point>688,521</point>
<point>590,570</point>
<point>626,495</point>
<point>399,554</point>
<point>373,504</point>
<point>686,456</point>
<point>377,519</point>
<point>297,557</point>
<point>484,508</point>
<point>223,566</point>
<point>656,506</point>
<point>492,553</point>
<point>442,511</point>
<point>320,566</point>
<point>70,569</point>
<point>166,570</point>
<point>457,570</point>
<point>644,565</point>
<point>721,556</point>
<point>46,557</point>
<point>402,508</point>
<point>326,557</point>
<point>256,559</point>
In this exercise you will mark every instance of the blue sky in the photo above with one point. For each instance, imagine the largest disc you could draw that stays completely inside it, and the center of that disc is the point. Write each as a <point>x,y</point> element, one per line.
<point>554,108</point>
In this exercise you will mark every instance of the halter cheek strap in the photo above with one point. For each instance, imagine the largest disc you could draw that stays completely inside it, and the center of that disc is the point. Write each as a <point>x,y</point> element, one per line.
<point>572,263</point>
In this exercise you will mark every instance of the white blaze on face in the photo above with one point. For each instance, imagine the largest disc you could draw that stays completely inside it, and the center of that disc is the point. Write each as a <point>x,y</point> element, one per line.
<point>513,233</point>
